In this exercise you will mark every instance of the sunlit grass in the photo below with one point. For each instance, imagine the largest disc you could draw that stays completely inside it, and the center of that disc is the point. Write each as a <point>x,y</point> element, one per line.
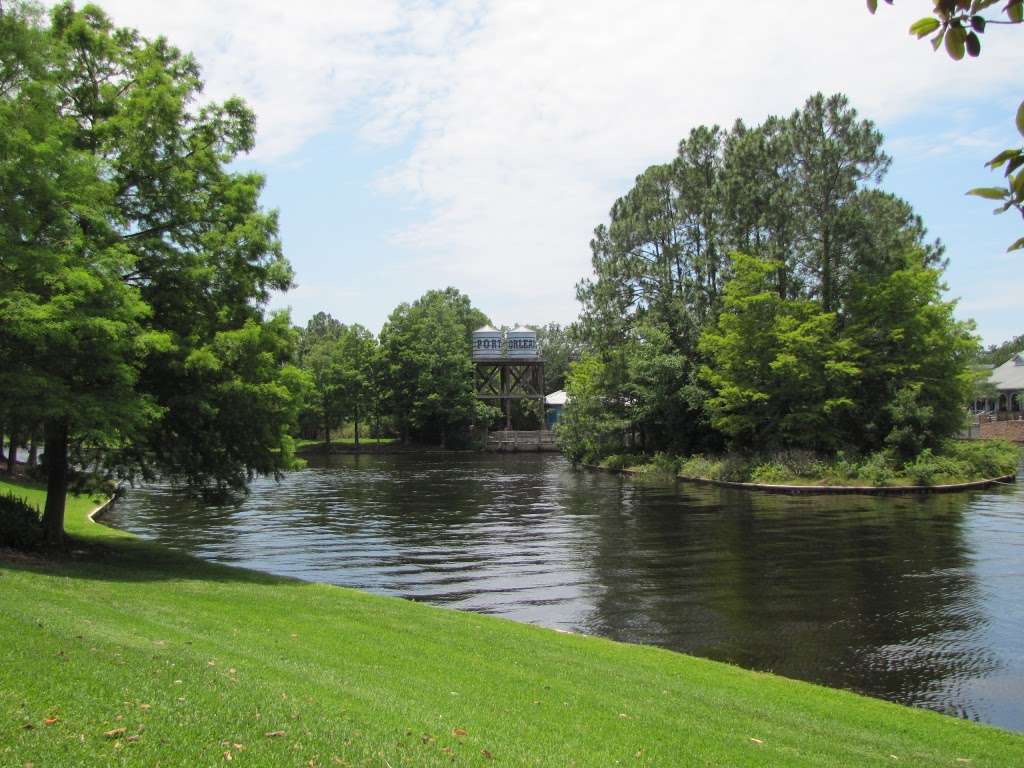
<point>303,443</point>
<point>126,653</point>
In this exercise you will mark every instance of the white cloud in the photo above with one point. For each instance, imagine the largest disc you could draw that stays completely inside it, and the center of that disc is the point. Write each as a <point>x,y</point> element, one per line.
<point>528,118</point>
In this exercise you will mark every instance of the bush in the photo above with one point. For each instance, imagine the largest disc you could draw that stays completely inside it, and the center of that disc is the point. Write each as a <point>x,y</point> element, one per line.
<point>923,469</point>
<point>663,465</point>
<point>840,470</point>
<point>877,469</point>
<point>771,472</point>
<point>20,526</point>
<point>733,469</point>
<point>620,461</point>
<point>984,458</point>
<point>698,466</point>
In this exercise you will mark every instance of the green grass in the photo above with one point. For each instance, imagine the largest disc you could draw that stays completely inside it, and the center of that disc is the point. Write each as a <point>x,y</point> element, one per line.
<point>955,462</point>
<point>303,443</point>
<point>198,662</point>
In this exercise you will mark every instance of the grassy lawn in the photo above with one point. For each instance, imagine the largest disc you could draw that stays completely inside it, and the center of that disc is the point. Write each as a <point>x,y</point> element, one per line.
<point>127,654</point>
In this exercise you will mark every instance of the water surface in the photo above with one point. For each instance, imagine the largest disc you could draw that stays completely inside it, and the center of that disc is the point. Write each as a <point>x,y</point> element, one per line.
<point>915,600</point>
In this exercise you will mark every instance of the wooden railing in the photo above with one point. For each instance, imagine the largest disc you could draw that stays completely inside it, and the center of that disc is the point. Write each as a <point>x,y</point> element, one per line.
<point>521,440</point>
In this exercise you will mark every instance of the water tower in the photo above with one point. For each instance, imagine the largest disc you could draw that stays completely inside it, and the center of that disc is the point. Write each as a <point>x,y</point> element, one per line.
<point>510,371</point>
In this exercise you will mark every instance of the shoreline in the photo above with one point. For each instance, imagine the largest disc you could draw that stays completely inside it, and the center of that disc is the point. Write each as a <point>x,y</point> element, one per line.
<point>836,490</point>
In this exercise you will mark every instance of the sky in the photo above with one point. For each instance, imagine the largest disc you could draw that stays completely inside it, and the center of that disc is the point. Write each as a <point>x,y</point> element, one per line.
<point>411,145</point>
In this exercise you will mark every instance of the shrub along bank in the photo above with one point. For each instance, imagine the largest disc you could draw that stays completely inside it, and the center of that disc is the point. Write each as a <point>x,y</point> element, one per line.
<point>126,653</point>
<point>956,461</point>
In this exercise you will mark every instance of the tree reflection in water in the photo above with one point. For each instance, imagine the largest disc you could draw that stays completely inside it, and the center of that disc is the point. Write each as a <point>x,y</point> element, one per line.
<point>913,599</point>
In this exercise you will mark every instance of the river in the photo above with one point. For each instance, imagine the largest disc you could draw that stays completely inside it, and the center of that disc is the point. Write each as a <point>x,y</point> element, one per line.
<point>919,600</point>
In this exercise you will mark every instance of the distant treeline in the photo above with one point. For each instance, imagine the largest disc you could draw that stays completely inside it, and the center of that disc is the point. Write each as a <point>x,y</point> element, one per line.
<point>414,381</point>
<point>997,354</point>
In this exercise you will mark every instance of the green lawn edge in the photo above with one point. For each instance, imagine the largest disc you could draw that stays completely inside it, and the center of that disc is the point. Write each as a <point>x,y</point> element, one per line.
<point>198,663</point>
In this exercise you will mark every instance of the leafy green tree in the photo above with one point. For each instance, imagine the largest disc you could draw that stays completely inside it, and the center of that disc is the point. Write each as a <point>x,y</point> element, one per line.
<point>317,349</point>
<point>251,400</point>
<point>427,355</point>
<point>357,353</point>
<point>321,327</point>
<point>914,358</point>
<point>135,265</point>
<point>663,404</point>
<point>958,25</point>
<point>72,336</point>
<point>593,423</point>
<point>778,374</point>
<point>321,363</point>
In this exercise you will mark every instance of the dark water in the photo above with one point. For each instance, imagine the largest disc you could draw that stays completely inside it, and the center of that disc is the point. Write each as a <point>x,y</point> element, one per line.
<point>916,600</point>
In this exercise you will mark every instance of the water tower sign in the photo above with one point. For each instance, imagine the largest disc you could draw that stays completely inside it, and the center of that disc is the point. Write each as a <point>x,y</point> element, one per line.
<point>508,369</point>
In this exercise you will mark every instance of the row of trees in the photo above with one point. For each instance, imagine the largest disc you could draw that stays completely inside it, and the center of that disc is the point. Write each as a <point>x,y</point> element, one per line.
<point>134,265</point>
<point>758,292</point>
<point>416,380</point>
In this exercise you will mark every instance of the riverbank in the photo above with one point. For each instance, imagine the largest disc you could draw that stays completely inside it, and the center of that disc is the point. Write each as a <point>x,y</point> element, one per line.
<point>810,488</point>
<point>308,448</point>
<point>959,465</point>
<point>196,661</point>
<point>343,445</point>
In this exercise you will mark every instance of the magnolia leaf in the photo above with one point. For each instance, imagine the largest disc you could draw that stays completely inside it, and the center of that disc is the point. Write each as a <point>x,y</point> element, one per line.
<point>978,23</point>
<point>937,40</point>
<point>872,5</point>
<point>973,45</point>
<point>1020,118</point>
<point>1015,10</point>
<point>1002,157</point>
<point>956,42</point>
<point>925,26</point>
<point>989,193</point>
<point>1017,182</point>
<point>1017,245</point>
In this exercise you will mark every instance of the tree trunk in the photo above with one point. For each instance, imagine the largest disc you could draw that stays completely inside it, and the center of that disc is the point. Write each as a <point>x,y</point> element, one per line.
<point>357,427</point>
<point>56,435</point>
<point>327,435</point>
<point>33,451</point>
<point>826,271</point>
<point>12,454</point>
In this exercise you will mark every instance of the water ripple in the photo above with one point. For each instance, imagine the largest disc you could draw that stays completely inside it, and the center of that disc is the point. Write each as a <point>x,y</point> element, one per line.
<point>917,600</point>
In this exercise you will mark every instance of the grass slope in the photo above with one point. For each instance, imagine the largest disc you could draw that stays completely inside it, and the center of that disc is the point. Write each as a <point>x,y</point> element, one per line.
<point>184,663</point>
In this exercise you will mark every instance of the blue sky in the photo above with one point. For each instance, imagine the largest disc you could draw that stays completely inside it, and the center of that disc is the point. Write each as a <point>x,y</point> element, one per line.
<point>412,144</point>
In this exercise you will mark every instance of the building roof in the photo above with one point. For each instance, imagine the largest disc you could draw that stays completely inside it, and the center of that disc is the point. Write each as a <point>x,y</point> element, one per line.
<point>522,329</point>
<point>556,398</point>
<point>1009,375</point>
<point>487,329</point>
